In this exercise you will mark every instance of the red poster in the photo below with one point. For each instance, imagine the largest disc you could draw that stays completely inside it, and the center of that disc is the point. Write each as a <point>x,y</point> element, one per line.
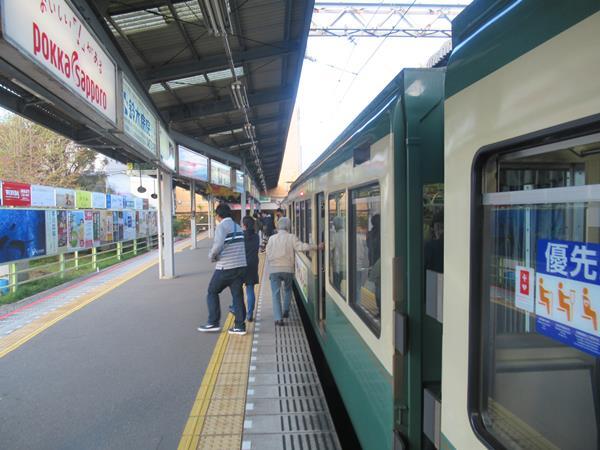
<point>16,194</point>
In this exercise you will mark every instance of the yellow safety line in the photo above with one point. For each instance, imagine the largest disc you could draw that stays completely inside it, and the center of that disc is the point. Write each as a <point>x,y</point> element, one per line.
<point>193,426</point>
<point>86,300</point>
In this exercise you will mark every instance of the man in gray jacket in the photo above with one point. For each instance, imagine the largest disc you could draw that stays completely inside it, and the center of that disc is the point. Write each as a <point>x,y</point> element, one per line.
<point>281,249</point>
<point>229,252</point>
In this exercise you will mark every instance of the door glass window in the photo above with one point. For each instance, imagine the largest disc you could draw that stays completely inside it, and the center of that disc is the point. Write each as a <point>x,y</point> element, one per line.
<point>540,297</point>
<point>338,238</point>
<point>308,234</point>
<point>365,262</point>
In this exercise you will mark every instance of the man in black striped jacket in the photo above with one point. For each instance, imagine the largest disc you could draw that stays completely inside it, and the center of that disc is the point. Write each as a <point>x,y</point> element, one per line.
<point>229,252</point>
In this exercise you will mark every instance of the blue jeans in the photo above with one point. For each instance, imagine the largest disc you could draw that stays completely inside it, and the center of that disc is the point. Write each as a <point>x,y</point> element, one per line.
<point>221,279</point>
<point>276,279</point>
<point>251,299</point>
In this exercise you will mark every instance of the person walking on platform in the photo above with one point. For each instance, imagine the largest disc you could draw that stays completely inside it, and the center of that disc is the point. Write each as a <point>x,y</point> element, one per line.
<point>229,252</point>
<point>280,257</point>
<point>251,277</point>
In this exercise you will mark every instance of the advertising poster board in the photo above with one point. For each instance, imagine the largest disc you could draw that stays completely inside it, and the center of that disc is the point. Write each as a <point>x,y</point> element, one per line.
<point>128,225</point>
<point>220,173</point>
<point>96,227</point>
<point>22,234</point>
<point>98,200</point>
<point>62,226</point>
<point>57,39</point>
<point>128,202</point>
<point>192,164</point>
<point>42,196</point>
<point>118,225</point>
<point>106,227</point>
<point>83,199</point>
<point>89,229</point>
<point>138,203</point>
<point>567,301</point>
<point>146,203</point>
<point>51,232</point>
<point>116,201</point>
<point>239,181</point>
<point>64,198</point>
<point>76,230</point>
<point>0,193</point>
<point>16,194</point>
<point>167,148</point>
<point>139,121</point>
<point>152,221</point>
<point>141,224</point>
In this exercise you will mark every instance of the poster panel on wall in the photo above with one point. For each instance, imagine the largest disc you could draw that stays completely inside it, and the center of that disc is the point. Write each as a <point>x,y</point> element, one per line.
<point>42,196</point>
<point>22,234</point>
<point>0,193</point>
<point>89,229</point>
<point>51,233</point>
<point>220,173</point>
<point>62,226</point>
<point>192,164</point>
<point>106,227</point>
<point>83,199</point>
<point>57,38</point>
<point>146,203</point>
<point>16,194</point>
<point>98,200</point>
<point>152,222</point>
<point>76,230</point>
<point>239,181</point>
<point>138,119</point>
<point>64,198</point>
<point>166,148</point>
<point>128,202</point>
<point>116,202</point>
<point>138,203</point>
<point>128,225</point>
<point>96,220</point>
<point>141,224</point>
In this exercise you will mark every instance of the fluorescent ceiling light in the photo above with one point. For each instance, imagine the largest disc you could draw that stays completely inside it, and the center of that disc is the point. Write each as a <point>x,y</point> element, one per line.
<point>156,87</point>
<point>239,96</point>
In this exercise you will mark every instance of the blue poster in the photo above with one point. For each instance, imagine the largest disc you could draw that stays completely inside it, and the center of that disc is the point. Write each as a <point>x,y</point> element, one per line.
<point>22,234</point>
<point>567,300</point>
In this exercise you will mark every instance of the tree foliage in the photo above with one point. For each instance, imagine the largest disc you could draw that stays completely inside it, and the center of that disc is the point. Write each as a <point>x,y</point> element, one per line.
<point>30,153</point>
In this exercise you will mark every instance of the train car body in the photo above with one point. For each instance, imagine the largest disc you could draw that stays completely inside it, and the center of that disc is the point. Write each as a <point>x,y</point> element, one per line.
<point>522,179</point>
<point>364,198</point>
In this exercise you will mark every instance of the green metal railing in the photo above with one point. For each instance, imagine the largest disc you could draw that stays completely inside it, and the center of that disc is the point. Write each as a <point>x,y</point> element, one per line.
<point>75,262</point>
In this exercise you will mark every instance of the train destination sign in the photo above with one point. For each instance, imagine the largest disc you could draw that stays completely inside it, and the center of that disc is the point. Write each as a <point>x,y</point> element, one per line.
<point>220,173</point>
<point>53,35</point>
<point>139,122</point>
<point>192,164</point>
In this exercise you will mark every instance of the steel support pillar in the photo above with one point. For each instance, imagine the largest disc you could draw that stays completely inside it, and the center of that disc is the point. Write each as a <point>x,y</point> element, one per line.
<point>166,261</point>
<point>193,215</point>
<point>243,198</point>
<point>211,217</point>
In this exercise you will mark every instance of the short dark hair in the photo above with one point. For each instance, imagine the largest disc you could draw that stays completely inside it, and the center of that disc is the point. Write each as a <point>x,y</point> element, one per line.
<point>223,210</point>
<point>280,210</point>
<point>248,222</point>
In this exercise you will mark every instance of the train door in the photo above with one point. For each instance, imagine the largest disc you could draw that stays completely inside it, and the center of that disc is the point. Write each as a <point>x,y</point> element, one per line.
<point>320,259</point>
<point>419,263</point>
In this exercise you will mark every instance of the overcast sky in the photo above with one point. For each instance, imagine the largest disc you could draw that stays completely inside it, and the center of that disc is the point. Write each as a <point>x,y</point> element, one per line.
<point>345,76</point>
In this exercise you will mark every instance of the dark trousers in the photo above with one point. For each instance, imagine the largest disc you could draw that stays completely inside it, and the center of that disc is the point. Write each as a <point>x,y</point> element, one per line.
<point>232,278</point>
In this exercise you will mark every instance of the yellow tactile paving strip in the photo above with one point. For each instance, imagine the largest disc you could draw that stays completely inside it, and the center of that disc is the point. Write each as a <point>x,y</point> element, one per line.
<point>31,330</point>
<point>217,417</point>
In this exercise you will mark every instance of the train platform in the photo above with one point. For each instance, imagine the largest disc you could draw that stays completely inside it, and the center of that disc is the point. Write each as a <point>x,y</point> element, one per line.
<point>115,361</point>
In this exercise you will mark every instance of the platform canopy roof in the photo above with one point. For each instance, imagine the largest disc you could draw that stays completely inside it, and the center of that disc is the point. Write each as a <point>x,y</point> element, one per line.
<point>188,73</point>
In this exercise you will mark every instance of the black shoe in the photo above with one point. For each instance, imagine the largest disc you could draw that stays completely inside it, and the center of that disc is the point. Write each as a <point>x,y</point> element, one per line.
<point>209,328</point>
<point>250,318</point>
<point>235,330</point>
<point>286,314</point>
<point>279,323</point>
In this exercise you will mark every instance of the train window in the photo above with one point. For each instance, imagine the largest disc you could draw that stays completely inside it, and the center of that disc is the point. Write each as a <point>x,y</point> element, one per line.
<point>308,232</point>
<point>298,226</point>
<point>337,243</point>
<point>539,297</point>
<point>365,251</point>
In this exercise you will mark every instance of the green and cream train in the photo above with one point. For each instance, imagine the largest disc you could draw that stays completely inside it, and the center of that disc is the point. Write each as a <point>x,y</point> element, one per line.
<point>456,303</point>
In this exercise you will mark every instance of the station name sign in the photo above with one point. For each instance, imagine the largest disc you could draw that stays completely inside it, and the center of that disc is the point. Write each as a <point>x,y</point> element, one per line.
<point>139,122</point>
<point>54,36</point>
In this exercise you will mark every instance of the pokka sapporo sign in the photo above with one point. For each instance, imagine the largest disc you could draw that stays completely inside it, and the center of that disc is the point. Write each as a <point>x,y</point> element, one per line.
<point>54,36</point>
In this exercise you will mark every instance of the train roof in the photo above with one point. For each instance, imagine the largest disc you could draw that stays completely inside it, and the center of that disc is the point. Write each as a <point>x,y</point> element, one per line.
<point>380,103</point>
<point>489,34</point>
